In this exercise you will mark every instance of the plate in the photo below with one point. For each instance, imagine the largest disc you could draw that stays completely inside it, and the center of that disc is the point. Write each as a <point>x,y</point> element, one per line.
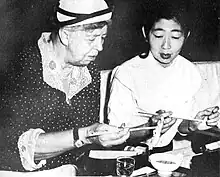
<point>109,154</point>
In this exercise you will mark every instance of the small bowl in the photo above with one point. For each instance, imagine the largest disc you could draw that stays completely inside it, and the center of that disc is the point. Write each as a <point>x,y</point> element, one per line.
<point>165,163</point>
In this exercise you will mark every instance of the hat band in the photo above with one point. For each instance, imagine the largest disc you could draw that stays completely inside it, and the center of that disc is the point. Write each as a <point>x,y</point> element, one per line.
<point>80,17</point>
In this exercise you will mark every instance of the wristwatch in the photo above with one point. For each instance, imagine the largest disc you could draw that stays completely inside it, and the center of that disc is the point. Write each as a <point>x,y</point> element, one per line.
<point>77,142</point>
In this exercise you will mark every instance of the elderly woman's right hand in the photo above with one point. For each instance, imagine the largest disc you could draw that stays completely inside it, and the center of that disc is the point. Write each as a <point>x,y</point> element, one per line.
<point>111,135</point>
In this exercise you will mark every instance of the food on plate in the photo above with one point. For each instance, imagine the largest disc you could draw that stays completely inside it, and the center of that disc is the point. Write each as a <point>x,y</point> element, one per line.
<point>165,162</point>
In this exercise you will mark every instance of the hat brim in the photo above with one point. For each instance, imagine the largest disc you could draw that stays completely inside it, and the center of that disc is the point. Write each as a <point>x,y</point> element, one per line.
<point>104,17</point>
<point>65,18</point>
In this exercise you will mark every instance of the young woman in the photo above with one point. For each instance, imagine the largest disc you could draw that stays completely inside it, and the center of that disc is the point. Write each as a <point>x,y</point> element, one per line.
<point>163,83</point>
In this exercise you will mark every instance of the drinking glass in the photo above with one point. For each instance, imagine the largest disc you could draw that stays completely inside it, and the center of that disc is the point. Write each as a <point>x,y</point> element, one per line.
<point>125,166</point>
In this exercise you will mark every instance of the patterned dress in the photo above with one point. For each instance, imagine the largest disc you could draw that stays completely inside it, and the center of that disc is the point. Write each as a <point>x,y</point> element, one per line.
<point>29,102</point>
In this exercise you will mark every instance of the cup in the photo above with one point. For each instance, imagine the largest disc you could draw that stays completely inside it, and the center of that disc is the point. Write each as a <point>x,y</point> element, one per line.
<point>125,166</point>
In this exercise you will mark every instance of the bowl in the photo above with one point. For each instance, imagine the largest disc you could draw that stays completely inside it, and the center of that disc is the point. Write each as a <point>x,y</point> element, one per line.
<point>165,163</point>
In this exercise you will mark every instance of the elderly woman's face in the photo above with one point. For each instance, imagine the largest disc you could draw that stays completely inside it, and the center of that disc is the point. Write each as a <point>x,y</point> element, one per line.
<point>166,39</point>
<point>84,46</point>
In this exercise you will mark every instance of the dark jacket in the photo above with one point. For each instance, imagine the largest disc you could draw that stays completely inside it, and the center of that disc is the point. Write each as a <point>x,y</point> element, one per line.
<point>28,102</point>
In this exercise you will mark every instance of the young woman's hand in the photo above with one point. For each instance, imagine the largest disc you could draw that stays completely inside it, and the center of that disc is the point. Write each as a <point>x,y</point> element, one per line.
<point>210,115</point>
<point>168,121</point>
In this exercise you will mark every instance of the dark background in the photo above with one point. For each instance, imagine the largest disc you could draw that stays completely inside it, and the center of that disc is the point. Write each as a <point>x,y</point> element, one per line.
<point>22,21</point>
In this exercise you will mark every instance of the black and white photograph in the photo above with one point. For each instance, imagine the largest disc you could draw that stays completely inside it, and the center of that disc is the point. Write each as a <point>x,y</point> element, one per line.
<point>110,88</point>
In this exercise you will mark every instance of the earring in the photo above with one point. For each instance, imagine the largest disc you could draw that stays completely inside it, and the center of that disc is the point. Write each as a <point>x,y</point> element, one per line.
<point>143,55</point>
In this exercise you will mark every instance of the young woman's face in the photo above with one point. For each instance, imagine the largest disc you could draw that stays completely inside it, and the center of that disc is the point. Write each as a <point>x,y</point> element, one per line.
<point>166,39</point>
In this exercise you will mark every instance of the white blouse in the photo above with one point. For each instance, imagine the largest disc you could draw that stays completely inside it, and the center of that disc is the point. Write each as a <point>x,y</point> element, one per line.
<point>144,84</point>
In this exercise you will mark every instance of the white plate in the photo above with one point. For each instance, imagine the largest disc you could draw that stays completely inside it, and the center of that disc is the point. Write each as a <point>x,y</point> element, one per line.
<point>106,154</point>
<point>143,170</point>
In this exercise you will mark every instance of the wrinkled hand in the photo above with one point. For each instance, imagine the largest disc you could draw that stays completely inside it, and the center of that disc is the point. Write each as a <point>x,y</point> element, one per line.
<point>210,115</point>
<point>168,121</point>
<point>118,136</point>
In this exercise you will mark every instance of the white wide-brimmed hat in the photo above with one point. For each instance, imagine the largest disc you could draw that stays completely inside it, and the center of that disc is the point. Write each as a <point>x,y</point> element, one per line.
<point>79,12</point>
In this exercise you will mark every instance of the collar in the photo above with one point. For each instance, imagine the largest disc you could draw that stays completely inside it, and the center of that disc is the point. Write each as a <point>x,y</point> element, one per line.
<point>66,78</point>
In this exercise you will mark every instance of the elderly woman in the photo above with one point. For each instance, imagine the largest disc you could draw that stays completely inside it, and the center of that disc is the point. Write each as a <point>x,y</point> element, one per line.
<point>52,106</point>
<point>162,83</point>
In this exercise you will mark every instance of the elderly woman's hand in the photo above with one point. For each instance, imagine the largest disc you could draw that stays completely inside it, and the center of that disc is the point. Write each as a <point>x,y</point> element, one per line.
<point>168,121</point>
<point>210,115</point>
<point>111,135</point>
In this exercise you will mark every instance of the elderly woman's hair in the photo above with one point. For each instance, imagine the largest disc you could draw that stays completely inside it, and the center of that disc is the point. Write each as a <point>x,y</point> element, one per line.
<point>88,27</point>
<point>176,10</point>
<point>85,27</point>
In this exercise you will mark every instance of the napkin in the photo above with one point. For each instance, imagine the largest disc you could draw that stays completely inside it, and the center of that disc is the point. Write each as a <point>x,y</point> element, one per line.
<point>143,170</point>
<point>64,171</point>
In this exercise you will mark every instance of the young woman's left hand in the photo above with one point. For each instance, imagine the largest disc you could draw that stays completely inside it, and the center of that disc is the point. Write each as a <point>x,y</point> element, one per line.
<point>211,116</point>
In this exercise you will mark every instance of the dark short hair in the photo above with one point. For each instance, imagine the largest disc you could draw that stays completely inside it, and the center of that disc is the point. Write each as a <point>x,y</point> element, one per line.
<point>176,10</point>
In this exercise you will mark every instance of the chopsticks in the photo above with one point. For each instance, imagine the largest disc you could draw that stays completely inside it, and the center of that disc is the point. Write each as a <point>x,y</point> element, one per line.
<point>150,114</point>
<point>142,128</point>
<point>130,129</point>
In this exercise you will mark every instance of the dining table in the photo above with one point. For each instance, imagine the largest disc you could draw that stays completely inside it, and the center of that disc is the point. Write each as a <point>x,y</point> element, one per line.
<point>204,164</point>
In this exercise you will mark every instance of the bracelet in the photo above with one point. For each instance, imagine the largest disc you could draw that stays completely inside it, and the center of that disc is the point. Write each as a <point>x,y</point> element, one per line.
<point>191,129</point>
<point>182,134</point>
